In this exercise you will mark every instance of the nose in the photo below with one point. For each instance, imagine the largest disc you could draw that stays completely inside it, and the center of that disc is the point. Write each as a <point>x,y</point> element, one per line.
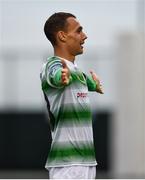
<point>84,36</point>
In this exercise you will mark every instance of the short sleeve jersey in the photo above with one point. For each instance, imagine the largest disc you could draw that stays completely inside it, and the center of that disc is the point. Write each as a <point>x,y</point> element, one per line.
<point>72,140</point>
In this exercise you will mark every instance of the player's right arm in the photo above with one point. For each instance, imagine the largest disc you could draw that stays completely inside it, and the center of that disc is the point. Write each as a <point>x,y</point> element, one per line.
<point>57,74</point>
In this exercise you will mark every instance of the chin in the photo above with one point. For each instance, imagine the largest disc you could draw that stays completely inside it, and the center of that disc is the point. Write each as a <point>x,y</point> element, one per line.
<point>80,52</point>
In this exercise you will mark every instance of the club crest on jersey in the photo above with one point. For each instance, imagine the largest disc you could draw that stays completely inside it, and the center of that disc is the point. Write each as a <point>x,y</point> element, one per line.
<point>53,69</point>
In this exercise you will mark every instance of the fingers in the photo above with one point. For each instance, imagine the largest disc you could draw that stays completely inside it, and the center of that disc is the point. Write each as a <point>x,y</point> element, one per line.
<point>100,90</point>
<point>97,79</point>
<point>64,65</point>
<point>64,77</point>
<point>92,73</point>
<point>64,80</point>
<point>65,73</point>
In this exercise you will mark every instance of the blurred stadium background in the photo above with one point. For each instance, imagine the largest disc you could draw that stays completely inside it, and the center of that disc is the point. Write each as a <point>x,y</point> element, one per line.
<point>115,49</point>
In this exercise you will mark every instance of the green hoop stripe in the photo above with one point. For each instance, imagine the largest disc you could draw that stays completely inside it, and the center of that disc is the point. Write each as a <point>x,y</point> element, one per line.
<point>68,114</point>
<point>64,152</point>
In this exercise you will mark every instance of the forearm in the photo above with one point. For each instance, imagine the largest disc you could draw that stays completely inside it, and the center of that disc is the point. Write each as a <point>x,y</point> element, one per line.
<point>92,85</point>
<point>56,79</point>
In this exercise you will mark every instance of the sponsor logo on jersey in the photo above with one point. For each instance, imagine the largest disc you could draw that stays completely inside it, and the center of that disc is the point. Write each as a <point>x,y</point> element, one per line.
<point>81,95</point>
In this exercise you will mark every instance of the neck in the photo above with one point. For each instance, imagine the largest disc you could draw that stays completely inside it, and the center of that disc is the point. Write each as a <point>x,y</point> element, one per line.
<point>64,54</point>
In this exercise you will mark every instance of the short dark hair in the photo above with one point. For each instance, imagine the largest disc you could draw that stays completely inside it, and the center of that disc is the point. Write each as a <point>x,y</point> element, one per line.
<point>55,23</point>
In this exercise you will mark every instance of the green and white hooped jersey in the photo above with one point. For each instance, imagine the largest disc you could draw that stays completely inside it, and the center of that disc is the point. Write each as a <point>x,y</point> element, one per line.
<point>72,140</point>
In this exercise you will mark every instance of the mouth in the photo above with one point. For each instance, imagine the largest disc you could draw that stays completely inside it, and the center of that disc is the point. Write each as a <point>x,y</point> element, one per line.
<point>81,44</point>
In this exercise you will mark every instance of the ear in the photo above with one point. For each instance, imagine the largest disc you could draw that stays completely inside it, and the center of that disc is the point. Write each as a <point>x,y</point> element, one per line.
<point>62,36</point>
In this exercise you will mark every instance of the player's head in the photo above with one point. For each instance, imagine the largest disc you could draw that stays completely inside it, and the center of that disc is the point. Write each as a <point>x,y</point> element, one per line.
<point>56,22</point>
<point>63,29</point>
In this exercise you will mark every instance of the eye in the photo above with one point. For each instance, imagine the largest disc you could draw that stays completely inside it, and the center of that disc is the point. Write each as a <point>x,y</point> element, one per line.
<point>79,30</point>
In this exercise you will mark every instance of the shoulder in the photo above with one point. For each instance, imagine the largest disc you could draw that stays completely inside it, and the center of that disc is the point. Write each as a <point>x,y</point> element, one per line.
<point>50,63</point>
<point>53,64</point>
<point>52,60</point>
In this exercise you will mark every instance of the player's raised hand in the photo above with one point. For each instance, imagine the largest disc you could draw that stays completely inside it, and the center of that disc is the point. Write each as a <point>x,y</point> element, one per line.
<point>65,73</point>
<point>99,86</point>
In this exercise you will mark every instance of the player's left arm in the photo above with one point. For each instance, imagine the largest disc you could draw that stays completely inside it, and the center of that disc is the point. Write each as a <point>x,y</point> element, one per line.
<point>93,83</point>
